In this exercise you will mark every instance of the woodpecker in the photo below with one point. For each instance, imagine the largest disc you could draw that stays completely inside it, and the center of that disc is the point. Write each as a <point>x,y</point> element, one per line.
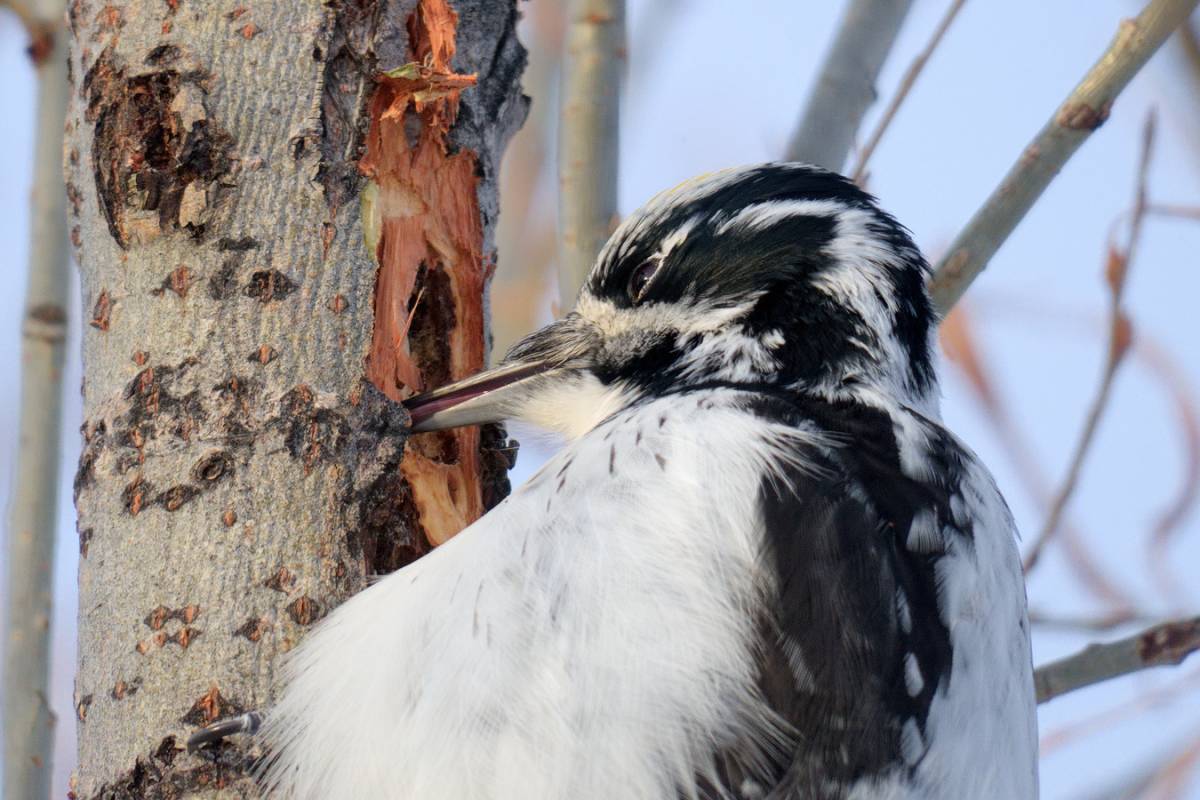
<point>759,567</point>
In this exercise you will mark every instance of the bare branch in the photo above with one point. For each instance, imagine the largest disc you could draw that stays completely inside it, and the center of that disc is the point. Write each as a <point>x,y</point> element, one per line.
<point>1085,109</point>
<point>1119,338</point>
<point>28,721</point>
<point>1163,645</point>
<point>588,137</point>
<point>906,85</point>
<point>845,87</point>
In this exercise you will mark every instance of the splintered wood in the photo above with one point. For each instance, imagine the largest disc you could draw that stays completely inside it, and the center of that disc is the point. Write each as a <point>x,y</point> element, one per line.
<point>421,218</point>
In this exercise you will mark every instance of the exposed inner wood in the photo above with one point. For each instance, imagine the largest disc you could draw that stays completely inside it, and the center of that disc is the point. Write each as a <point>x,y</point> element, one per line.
<point>423,215</point>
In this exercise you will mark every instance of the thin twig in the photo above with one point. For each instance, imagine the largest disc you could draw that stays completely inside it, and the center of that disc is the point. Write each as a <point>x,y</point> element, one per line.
<point>1170,520</point>
<point>1035,311</point>
<point>1166,210</point>
<point>906,85</point>
<point>1179,212</point>
<point>588,137</point>
<point>1173,776</point>
<point>28,721</point>
<point>1163,645</point>
<point>1167,778</point>
<point>1108,622</point>
<point>1119,339</point>
<point>1190,44</point>
<point>845,87</point>
<point>1085,109</point>
<point>958,342</point>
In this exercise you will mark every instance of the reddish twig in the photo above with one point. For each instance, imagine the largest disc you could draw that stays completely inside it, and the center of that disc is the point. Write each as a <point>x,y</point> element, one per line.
<point>1169,780</point>
<point>958,342</point>
<point>1158,360</point>
<point>906,85</point>
<point>1119,338</point>
<point>1170,520</point>
<point>402,334</point>
<point>1145,780</point>
<point>1180,212</point>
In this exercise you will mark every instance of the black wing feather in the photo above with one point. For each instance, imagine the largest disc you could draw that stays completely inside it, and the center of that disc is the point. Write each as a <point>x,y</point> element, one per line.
<point>835,640</point>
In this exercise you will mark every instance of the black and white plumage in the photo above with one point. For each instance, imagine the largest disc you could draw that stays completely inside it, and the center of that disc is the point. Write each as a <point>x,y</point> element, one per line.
<point>759,568</point>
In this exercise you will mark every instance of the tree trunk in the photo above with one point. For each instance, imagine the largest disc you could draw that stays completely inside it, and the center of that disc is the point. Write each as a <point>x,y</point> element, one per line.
<point>283,212</point>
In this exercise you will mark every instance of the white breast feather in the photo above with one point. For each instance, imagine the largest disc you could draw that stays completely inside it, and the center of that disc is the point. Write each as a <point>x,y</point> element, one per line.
<point>592,619</point>
<point>591,637</point>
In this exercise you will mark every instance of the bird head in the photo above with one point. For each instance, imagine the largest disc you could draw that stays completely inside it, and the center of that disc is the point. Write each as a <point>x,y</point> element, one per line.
<point>778,277</point>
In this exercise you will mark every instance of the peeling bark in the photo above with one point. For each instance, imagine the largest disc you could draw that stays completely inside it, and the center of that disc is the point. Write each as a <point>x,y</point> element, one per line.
<point>283,214</point>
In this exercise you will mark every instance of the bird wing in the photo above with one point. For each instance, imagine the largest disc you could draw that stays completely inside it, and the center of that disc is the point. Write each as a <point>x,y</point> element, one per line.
<point>855,642</point>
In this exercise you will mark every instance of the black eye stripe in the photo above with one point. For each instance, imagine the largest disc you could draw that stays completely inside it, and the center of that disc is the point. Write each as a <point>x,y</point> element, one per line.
<point>640,278</point>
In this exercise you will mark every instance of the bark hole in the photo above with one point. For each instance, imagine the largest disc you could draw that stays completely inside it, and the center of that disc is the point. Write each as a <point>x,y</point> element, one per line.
<point>159,161</point>
<point>432,320</point>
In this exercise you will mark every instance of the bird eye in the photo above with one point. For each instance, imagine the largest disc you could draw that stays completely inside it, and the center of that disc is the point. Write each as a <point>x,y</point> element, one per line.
<point>640,279</point>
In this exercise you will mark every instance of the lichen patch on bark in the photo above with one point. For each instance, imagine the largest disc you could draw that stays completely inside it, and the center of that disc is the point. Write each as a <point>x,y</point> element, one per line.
<point>421,216</point>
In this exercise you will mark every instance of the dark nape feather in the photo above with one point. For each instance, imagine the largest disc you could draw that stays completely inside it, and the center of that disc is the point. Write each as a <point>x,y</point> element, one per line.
<point>833,649</point>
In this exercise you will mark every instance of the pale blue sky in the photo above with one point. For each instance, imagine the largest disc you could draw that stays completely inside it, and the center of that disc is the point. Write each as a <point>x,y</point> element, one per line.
<point>724,88</point>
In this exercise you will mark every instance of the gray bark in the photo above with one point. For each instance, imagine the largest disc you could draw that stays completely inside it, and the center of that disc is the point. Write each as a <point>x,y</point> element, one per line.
<point>244,470</point>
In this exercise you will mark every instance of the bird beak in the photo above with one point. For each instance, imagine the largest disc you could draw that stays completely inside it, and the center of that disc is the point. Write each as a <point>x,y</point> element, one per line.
<point>500,393</point>
<point>472,401</point>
